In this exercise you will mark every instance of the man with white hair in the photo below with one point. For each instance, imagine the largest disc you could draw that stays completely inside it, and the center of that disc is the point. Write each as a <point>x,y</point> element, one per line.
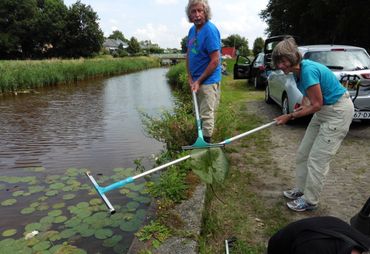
<point>203,62</point>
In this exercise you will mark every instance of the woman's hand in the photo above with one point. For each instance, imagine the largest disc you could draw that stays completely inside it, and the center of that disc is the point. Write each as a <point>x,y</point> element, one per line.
<point>283,119</point>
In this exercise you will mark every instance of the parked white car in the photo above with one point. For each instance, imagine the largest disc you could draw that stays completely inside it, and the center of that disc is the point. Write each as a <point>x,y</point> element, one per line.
<point>341,59</point>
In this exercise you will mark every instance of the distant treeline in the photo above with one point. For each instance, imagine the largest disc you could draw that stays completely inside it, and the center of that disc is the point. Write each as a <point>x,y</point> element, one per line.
<point>320,21</point>
<point>29,74</point>
<point>47,28</point>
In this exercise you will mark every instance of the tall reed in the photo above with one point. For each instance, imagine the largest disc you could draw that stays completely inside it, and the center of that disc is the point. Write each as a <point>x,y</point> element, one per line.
<point>30,74</point>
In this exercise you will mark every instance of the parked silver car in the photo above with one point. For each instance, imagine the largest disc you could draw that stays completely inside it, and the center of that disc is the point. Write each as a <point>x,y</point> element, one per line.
<point>342,60</point>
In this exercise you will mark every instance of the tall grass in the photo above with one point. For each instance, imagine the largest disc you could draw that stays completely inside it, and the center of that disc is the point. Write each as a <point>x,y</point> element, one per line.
<point>30,74</point>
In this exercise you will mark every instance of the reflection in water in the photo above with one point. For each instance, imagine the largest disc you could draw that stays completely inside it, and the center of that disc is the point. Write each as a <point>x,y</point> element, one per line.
<point>94,125</point>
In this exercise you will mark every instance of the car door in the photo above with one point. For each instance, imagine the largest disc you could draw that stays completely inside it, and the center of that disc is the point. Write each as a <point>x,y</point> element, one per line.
<point>242,67</point>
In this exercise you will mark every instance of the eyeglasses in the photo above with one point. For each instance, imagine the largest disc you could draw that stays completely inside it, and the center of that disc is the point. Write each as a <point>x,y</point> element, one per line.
<point>196,11</point>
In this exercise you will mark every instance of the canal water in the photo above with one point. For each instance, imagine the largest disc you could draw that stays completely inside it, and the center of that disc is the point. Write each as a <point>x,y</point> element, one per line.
<point>49,138</point>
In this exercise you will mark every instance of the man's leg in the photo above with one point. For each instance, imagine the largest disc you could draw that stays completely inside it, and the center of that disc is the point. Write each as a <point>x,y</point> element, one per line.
<point>208,100</point>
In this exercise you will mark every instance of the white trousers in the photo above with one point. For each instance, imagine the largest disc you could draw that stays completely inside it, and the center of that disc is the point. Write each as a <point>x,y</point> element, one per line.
<point>208,97</point>
<point>323,137</point>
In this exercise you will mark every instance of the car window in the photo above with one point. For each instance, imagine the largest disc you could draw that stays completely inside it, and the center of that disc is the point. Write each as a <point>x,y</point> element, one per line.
<point>242,60</point>
<point>347,60</point>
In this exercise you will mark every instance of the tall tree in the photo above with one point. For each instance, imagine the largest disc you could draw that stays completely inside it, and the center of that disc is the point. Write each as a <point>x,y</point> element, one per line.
<point>258,45</point>
<point>184,47</point>
<point>240,43</point>
<point>116,34</point>
<point>83,36</point>
<point>50,26</point>
<point>320,21</point>
<point>17,24</point>
<point>133,46</point>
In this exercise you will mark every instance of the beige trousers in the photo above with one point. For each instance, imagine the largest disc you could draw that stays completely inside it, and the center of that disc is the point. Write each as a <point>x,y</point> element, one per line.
<point>323,137</point>
<point>208,97</point>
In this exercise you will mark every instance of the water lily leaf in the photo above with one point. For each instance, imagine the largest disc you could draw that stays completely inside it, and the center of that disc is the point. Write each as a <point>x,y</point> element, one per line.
<point>130,226</point>
<point>73,172</point>
<point>60,219</point>
<point>132,206</point>
<point>43,207</point>
<point>67,233</point>
<point>69,196</point>
<point>9,202</point>
<point>56,186</point>
<point>33,226</point>
<point>51,193</point>
<point>73,222</point>
<point>95,201</point>
<point>82,205</point>
<point>55,213</point>
<point>83,213</point>
<point>103,233</point>
<point>68,249</point>
<point>113,241</point>
<point>59,205</point>
<point>34,189</point>
<point>28,210</point>
<point>47,220</point>
<point>44,245</point>
<point>17,193</point>
<point>85,230</point>
<point>9,232</point>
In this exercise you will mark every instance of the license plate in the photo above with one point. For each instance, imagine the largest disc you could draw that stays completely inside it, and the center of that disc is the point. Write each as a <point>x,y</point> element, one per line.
<point>361,115</point>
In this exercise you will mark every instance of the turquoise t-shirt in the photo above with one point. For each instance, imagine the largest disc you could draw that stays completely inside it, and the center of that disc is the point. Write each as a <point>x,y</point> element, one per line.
<point>313,73</point>
<point>200,45</point>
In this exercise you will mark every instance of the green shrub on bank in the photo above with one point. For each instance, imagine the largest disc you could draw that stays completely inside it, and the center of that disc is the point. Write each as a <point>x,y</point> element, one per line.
<point>30,74</point>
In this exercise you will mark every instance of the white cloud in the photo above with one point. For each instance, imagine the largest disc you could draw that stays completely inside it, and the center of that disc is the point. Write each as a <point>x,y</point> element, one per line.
<point>165,2</point>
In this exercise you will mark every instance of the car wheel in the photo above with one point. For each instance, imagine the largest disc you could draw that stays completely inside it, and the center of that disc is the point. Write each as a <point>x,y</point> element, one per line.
<point>268,99</point>
<point>285,105</point>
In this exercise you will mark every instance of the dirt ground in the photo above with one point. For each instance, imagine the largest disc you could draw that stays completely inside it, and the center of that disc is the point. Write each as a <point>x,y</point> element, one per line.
<point>347,184</point>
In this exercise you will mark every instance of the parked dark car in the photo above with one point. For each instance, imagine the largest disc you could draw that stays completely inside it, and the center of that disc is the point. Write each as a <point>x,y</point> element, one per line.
<point>254,71</point>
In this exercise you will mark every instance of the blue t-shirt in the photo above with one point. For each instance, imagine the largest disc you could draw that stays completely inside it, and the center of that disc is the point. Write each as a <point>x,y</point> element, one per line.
<point>313,73</point>
<point>200,45</point>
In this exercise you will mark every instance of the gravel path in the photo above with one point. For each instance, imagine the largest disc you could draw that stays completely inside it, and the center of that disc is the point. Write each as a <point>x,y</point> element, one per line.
<point>347,185</point>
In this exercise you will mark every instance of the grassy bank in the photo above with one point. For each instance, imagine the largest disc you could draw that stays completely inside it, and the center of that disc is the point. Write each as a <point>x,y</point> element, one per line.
<point>237,208</point>
<point>30,74</point>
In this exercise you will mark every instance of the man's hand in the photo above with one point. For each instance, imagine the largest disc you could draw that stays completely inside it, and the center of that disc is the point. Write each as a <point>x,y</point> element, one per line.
<point>195,86</point>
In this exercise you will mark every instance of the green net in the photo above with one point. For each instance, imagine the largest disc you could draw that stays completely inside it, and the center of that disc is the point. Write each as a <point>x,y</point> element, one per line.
<point>210,164</point>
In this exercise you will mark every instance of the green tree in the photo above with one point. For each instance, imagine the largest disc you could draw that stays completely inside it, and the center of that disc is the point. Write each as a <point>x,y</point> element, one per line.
<point>116,34</point>
<point>17,24</point>
<point>319,21</point>
<point>82,36</point>
<point>258,45</point>
<point>50,26</point>
<point>133,46</point>
<point>184,47</point>
<point>240,43</point>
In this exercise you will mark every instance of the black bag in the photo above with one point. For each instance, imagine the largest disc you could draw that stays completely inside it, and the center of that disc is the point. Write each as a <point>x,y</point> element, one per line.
<point>361,221</point>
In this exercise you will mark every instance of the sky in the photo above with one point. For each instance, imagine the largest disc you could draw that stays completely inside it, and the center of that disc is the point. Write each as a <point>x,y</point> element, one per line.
<point>165,23</point>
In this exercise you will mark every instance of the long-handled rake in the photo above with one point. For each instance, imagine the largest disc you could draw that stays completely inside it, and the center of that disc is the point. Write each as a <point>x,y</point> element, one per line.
<point>200,142</point>
<point>102,190</point>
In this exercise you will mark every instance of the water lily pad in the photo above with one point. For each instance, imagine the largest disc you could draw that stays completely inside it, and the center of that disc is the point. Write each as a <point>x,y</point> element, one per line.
<point>17,193</point>
<point>73,172</point>
<point>44,245</point>
<point>103,233</point>
<point>56,186</point>
<point>59,205</point>
<point>51,193</point>
<point>47,220</point>
<point>33,226</point>
<point>35,204</point>
<point>9,202</point>
<point>132,206</point>
<point>55,213</point>
<point>113,241</point>
<point>69,196</point>
<point>95,201</point>
<point>130,226</point>
<point>67,233</point>
<point>83,213</point>
<point>36,189</point>
<point>28,210</point>
<point>9,232</point>
<point>85,230</point>
<point>43,207</point>
<point>73,222</point>
<point>82,205</point>
<point>60,219</point>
